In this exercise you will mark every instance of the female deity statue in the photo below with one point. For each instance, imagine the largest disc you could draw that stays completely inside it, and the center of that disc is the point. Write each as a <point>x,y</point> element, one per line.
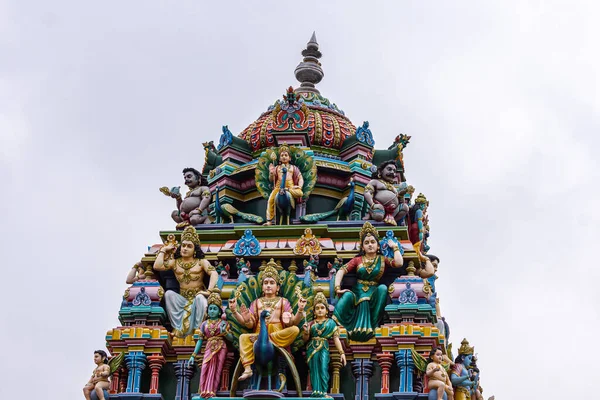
<point>214,331</point>
<point>360,309</point>
<point>317,333</point>
<point>438,377</point>
<point>186,309</point>
<point>99,380</point>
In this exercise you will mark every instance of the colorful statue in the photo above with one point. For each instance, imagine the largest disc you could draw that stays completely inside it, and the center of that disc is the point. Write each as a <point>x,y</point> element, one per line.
<point>317,333</point>
<point>99,382</point>
<point>416,230</point>
<point>193,208</point>
<point>186,309</point>
<point>214,331</point>
<point>460,376</point>
<point>360,309</point>
<point>225,211</point>
<point>280,323</point>
<point>137,273</point>
<point>438,377</point>
<point>343,208</point>
<point>386,202</point>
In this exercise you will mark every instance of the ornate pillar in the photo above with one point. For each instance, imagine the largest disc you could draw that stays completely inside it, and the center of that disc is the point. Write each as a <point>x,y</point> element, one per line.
<point>363,370</point>
<point>225,373</point>
<point>336,365</point>
<point>123,379</point>
<point>156,362</point>
<point>114,382</point>
<point>184,374</point>
<point>136,362</point>
<point>385,361</point>
<point>406,365</point>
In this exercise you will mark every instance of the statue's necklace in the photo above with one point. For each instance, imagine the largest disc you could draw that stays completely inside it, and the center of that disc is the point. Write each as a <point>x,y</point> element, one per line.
<point>388,185</point>
<point>269,304</point>
<point>368,263</point>
<point>320,325</point>
<point>187,276</point>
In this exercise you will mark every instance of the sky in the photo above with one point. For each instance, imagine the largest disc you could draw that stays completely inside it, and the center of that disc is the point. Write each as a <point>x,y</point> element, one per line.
<point>102,103</point>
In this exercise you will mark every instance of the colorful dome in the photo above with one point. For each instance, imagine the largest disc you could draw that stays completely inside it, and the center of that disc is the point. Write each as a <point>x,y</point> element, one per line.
<point>303,111</point>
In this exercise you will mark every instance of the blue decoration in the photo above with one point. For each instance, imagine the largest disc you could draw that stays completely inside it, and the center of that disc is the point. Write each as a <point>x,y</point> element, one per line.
<point>406,365</point>
<point>248,245</point>
<point>385,248</point>
<point>408,295</point>
<point>364,135</point>
<point>142,298</point>
<point>226,138</point>
<point>136,362</point>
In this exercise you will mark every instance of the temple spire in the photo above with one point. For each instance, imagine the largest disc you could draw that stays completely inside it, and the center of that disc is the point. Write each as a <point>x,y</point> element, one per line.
<point>309,71</point>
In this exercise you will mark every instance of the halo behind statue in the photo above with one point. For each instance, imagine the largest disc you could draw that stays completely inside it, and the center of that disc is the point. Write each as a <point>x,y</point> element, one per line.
<point>305,164</point>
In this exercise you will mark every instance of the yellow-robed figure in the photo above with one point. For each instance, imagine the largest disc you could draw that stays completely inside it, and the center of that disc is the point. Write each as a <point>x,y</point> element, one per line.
<point>293,181</point>
<point>281,324</point>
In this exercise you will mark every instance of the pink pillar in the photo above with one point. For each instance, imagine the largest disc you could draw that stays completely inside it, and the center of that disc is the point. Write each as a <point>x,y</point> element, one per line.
<point>156,362</point>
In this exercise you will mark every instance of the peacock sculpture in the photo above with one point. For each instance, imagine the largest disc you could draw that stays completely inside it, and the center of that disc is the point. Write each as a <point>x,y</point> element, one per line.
<point>227,211</point>
<point>343,208</point>
<point>285,202</point>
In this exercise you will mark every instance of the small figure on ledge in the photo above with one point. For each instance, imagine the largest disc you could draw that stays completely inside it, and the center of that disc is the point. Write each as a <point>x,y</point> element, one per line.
<point>386,202</point>
<point>438,377</point>
<point>99,380</point>
<point>317,333</point>
<point>360,309</point>
<point>287,185</point>
<point>281,323</point>
<point>214,330</point>
<point>193,208</point>
<point>186,309</point>
<point>137,273</point>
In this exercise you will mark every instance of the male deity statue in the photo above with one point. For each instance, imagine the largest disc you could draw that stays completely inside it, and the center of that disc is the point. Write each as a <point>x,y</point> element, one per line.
<point>387,203</point>
<point>293,181</point>
<point>186,309</point>
<point>461,378</point>
<point>193,208</point>
<point>281,323</point>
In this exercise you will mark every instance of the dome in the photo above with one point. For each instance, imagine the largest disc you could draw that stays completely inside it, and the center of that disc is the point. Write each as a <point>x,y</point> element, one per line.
<point>303,116</point>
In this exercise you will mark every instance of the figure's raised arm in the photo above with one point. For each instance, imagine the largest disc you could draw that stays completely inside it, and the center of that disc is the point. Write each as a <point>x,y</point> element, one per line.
<point>159,263</point>
<point>398,260</point>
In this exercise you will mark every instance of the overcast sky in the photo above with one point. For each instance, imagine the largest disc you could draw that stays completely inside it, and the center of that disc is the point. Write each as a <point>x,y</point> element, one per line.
<point>101,103</point>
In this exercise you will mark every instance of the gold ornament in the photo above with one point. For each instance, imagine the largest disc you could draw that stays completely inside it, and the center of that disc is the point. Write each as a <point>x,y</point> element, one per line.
<point>215,298</point>
<point>284,148</point>
<point>421,199</point>
<point>368,229</point>
<point>465,349</point>
<point>320,299</point>
<point>308,244</point>
<point>270,271</point>
<point>191,235</point>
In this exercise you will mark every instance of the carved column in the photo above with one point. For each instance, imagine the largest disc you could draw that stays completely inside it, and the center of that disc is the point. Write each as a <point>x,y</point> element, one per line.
<point>136,362</point>
<point>362,370</point>
<point>385,361</point>
<point>406,365</point>
<point>123,380</point>
<point>114,382</point>
<point>184,374</point>
<point>156,362</point>
<point>336,365</point>
<point>225,373</point>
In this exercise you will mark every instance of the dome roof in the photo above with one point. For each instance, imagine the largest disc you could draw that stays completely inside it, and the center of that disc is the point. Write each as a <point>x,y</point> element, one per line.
<point>302,110</point>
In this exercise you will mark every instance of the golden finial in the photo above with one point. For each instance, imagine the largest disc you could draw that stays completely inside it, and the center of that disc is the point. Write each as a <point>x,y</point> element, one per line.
<point>191,235</point>
<point>368,229</point>
<point>465,349</point>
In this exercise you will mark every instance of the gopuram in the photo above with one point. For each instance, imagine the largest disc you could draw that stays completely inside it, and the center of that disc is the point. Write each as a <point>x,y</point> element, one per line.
<point>297,266</point>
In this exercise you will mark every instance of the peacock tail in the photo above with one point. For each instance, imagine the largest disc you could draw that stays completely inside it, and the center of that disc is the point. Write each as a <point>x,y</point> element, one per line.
<point>250,290</point>
<point>257,219</point>
<point>419,361</point>
<point>115,362</point>
<point>317,216</point>
<point>261,173</point>
<point>229,209</point>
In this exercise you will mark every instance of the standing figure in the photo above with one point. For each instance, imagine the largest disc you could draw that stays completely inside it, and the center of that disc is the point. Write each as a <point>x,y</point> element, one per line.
<point>99,380</point>
<point>460,376</point>
<point>286,179</point>
<point>214,331</point>
<point>317,333</point>
<point>417,222</point>
<point>193,208</point>
<point>186,309</point>
<point>438,377</point>
<point>360,309</point>
<point>386,202</point>
<point>281,324</point>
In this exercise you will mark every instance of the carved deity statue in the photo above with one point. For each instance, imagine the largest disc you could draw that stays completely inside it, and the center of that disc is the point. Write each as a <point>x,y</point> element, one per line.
<point>186,309</point>
<point>317,334</point>
<point>286,178</point>
<point>438,377</point>
<point>461,378</point>
<point>281,323</point>
<point>386,202</point>
<point>99,380</point>
<point>193,208</point>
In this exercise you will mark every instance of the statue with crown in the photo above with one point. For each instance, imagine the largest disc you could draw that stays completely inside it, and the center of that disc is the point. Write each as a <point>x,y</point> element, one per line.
<point>297,265</point>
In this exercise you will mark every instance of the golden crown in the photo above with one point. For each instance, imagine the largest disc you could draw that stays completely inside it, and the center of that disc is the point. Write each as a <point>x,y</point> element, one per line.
<point>368,229</point>
<point>421,199</point>
<point>284,147</point>
<point>465,349</point>
<point>215,298</point>
<point>191,235</point>
<point>320,299</point>
<point>270,271</point>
